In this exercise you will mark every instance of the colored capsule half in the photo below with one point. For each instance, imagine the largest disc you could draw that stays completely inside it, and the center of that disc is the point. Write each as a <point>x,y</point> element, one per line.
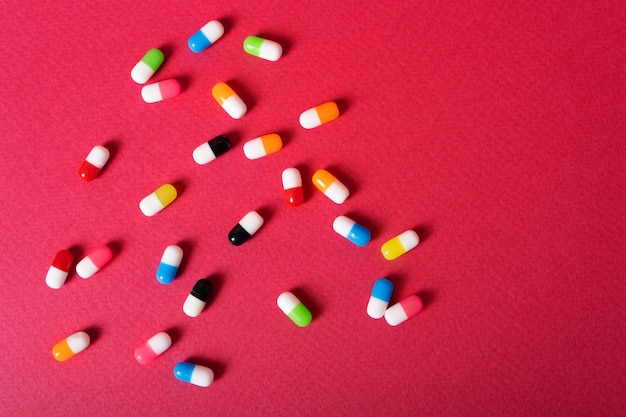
<point>246,228</point>
<point>379,300</point>
<point>59,269</point>
<point>94,261</point>
<point>95,161</point>
<point>70,346</point>
<point>262,146</point>
<point>158,200</point>
<point>319,115</point>
<point>149,64</point>
<point>332,188</point>
<point>170,261</point>
<point>196,300</point>
<point>351,230</point>
<point>292,184</point>
<point>400,245</point>
<point>153,347</point>
<point>229,100</point>
<point>194,374</point>
<point>294,309</point>
<point>206,36</point>
<point>153,93</point>
<point>404,310</point>
<point>210,150</point>
<point>262,48</point>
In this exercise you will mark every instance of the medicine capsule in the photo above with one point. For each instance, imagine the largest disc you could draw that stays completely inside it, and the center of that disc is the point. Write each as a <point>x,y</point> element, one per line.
<point>158,200</point>
<point>95,161</point>
<point>206,36</point>
<point>330,186</point>
<point>194,374</point>
<point>262,146</point>
<point>400,245</point>
<point>404,310</point>
<point>94,261</point>
<point>196,300</point>
<point>70,346</point>
<point>59,269</point>
<point>229,100</point>
<point>379,300</point>
<point>292,184</point>
<point>210,150</point>
<point>351,230</point>
<point>294,309</point>
<point>263,48</point>
<point>153,347</point>
<point>149,64</point>
<point>246,227</point>
<point>160,91</point>
<point>319,115</point>
<point>170,261</point>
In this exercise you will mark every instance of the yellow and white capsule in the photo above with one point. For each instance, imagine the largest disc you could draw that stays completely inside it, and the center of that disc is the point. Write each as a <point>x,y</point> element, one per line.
<point>158,200</point>
<point>229,100</point>
<point>400,245</point>
<point>262,146</point>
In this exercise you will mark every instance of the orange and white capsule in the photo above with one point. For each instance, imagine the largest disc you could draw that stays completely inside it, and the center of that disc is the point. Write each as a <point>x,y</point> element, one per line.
<point>262,146</point>
<point>229,100</point>
<point>70,346</point>
<point>292,184</point>
<point>319,115</point>
<point>330,186</point>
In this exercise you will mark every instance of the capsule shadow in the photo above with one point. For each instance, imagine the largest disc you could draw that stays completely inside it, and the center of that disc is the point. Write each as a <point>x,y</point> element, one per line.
<point>94,333</point>
<point>343,104</point>
<point>285,136</point>
<point>184,81</point>
<point>427,296</point>
<point>112,146</point>
<point>175,333</point>
<point>180,185</point>
<point>116,247</point>
<point>168,51</point>
<point>187,247</point>
<point>217,367</point>
<point>227,21</point>
<point>423,231</point>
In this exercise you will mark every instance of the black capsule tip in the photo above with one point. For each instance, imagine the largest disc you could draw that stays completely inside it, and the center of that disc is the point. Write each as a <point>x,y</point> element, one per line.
<point>220,144</point>
<point>202,289</point>
<point>238,235</point>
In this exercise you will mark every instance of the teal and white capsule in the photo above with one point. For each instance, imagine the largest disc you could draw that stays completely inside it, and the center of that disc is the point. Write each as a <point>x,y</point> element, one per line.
<point>168,267</point>
<point>351,230</point>
<point>379,300</point>
<point>149,64</point>
<point>263,48</point>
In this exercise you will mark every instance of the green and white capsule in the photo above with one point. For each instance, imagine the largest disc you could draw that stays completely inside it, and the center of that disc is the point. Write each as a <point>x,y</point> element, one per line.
<point>263,48</point>
<point>149,64</point>
<point>294,309</point>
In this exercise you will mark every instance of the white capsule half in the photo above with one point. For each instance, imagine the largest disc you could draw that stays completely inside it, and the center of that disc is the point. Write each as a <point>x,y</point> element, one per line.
<point>98,156</point>
<point>193,306</point>
<point>251,222</point>
<point>203,154</point>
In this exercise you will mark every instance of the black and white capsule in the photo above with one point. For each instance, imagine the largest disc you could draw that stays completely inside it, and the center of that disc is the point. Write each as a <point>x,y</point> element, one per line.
<point>246,227</point>
<point>210,150</point>
<point>196,300</point>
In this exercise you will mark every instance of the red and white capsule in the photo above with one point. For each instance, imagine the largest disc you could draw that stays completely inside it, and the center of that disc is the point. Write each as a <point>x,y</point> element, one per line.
<point>60,268</point>
<point>292,184</point>
<point>95,161</point>
<point>404,310</point>
<point>94,261</point>
<point>153,348</point>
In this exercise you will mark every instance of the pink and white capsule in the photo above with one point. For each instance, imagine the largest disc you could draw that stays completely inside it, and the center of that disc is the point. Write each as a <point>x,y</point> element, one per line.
<point>160,91</point>
<point>153,347</point>
<point>404,310</point>
<point>94,261</point>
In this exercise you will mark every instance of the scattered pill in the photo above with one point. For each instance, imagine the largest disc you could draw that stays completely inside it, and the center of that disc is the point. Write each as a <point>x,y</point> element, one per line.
<point>158,200</point>
<point>404,310</point>
<point>160,91</point>
<point>351,230</point>
<point>70,346</point>
<point>194,374</point>
<point>379,300</point>
<point>332,188</point>
<point>400,245</point>
<point>210,150</point>
<point>153,347</point>
<point>246,227</point>
<point>292,184</point>
<point>149,64</point>
<point>59,269</point>
<point>294,309</point>
<point>170,261</point>
<point>94,261</point>
<point>206,36</point>
<point>262,48</point>
<point>196,300</point>
<point>319,115</point>
<point>229,100</point>
<point>262,146</point>
<point>95,161</point>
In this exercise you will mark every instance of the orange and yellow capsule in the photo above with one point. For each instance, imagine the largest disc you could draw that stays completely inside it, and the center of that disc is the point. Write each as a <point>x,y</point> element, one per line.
<point>70,346</point>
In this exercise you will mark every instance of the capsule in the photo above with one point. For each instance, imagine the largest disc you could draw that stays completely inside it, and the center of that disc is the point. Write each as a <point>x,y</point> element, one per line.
<point>319,115</point>
<point>229,100</point>
<point>153,347</point>
<point>160,91</point>
<point>404,310</point>
<point>94,261</point>
<point>330,186</point>
<point>351,230</point>
<point>262,146</point>
<point>292,184</point>
<point>196,300</point>
<point>158,200</point>
<point>170,261</point>
<point>379,300</point>
<point>149,64</point>
<point>70,346</point>
<point>294,309</point>
<point>194,374</point>
<point>59,269</point>
<point>246,227</point>
<point>400,245</point>
<point>210,150</point>
<point>262,48</point>
<point>206,36</point>
<point>95,161</point>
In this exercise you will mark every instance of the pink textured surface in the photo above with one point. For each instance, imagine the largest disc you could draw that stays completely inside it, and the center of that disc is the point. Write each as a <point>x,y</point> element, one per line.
<point>495,130</point>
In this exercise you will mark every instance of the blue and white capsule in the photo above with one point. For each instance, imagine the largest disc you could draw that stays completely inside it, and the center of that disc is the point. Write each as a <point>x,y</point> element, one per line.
<point>168,267</point>
<point>206,36</point>
<point>379,300</point>
<point>194,374</point>
<point>352,231</point>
